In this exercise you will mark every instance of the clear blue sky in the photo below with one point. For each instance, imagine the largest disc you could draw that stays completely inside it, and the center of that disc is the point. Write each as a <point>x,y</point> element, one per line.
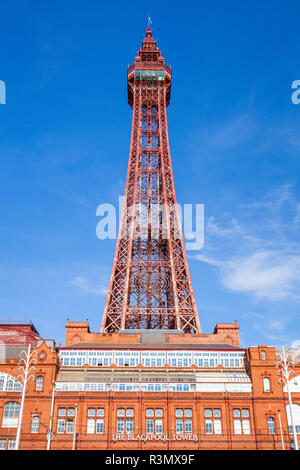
<point>235,142</point>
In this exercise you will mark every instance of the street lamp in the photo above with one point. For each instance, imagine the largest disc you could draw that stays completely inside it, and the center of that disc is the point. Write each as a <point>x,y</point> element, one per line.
<point>74,430</point>
<point>26,371</point>
<point>285,373</point>
<point>49,433</point>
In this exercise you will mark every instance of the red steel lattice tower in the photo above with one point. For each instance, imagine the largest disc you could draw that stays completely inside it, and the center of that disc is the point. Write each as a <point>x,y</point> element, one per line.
<point>150,285</point>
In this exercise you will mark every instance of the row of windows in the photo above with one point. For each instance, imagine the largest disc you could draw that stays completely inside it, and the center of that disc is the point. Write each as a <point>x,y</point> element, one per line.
<point>8,383</point>
<point>153,387</point>
<point>151,359</point>
<point>213,425</point>
<point>154,421</point>
<point>125,420</point>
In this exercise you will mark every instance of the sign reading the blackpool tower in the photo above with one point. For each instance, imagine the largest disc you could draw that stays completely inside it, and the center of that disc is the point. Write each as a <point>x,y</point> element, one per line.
<point>154,437</point>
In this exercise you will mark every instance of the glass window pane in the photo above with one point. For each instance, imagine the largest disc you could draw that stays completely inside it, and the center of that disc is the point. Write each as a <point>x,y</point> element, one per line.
<point>217,412</point>
<point>246,426</point>
<point>158,426</point>
<point>150,426</point>
<point>129,425</point>
<point>121,412</point>
<point>188,412</point>
<point>39,383</point>
<point>35,424</point>
<point>179,412</point>
<point>208,413</point>
<point>11,444</point>
<point>237,426</point>
<point>188,425</point>
<point>91,412</point>
<point>62,412</point>
<point>158,412</point>
<point>208,426</point>
<point>218,426</point>
<point>236,412</point>
<point>60,426</point>
<point>245,413</point>
<point>129,412</point>
<point>70,426</point>
<point>100,426</point>
<point>150,412</point>
<point>90,426</point>
<point>179,425</point>
<point>120,425</point>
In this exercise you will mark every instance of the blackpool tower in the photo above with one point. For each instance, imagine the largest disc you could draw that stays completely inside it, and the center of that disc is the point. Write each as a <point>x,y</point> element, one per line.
<point>150,285</point>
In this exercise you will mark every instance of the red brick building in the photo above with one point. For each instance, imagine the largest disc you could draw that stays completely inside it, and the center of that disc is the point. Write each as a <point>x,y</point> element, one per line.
<point>145,390</point>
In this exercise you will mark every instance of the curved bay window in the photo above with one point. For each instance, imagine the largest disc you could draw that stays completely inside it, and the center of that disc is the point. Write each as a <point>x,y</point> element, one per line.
<point>35,422</point>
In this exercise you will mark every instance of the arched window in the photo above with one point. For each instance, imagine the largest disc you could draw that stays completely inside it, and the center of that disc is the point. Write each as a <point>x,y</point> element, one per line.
<point>11,415</point>
<point>39,385</point>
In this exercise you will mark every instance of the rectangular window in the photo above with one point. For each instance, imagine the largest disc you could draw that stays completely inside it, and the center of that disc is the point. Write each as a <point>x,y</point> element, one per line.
<point>158,426</point>
<point>241,421</point>
<point>11,444</point>
<point>129,426</point>
<point>2,444</point>
<point>188,426</point>
<point>271,425</point>
<point>266,382</point>
<point>120,425</point>
<point>90,426</point>
<point>150,426</point>
<point>237,426</point>
<point>218,426</point>
<point>91,412</point>
<point>246,426</point>
<point>213,425</point>
<point>62,412</point>
<point>179,426</point>
<point>70,426</point>
<point>39,383</point>
<point>208,426</point>
<point>61,426</point>
<point>35,424</point>
<point>100,426</point>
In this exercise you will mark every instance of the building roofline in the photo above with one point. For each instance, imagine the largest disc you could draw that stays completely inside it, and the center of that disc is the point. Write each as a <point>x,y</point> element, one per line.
<point>139,346</point>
